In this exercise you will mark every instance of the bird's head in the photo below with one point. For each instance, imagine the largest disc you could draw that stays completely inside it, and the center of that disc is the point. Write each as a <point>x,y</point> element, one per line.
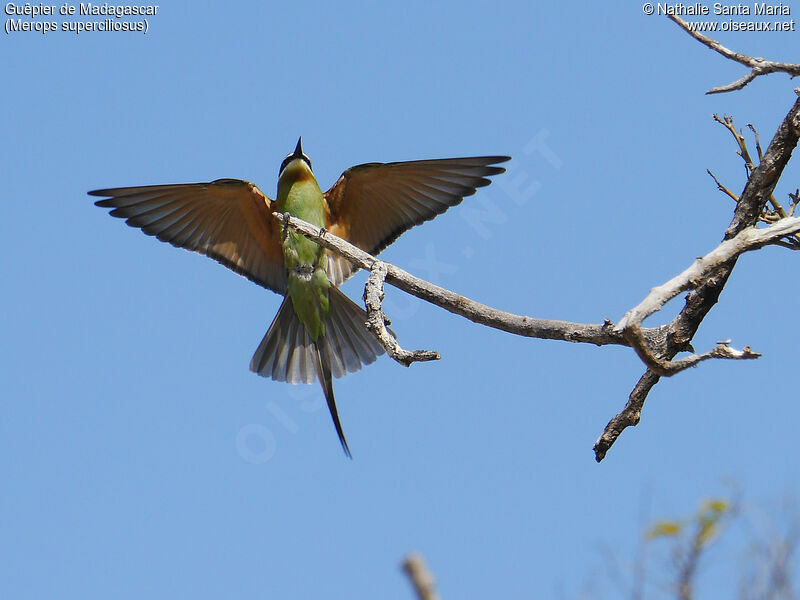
<point>296,165</point>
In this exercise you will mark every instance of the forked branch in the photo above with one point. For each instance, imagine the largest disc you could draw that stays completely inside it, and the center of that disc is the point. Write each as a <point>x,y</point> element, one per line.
<point>377,321</point>
<point>598,334</point>
<point>706,289</point>
<point>701,269</point>
<point>758,66</point>
<point>657,346</point>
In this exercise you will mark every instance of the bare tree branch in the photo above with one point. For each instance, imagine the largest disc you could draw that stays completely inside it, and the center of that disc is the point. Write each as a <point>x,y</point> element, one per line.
<point>722,188</point>
<point>767,215</point>
<point>757,192</point>
<point>598,334</point>
<point>420,577</point>
<point>758,142</point>
<point>670,367</point>
<point>703,268</point>
<point>658,346</point>
<point>377,321</point>
<point>759,66</point>
<point>746,240</point>
<point>727,123</point>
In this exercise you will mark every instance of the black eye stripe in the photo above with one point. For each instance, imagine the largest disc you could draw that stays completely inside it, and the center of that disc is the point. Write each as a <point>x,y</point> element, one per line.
<point>290,158</point>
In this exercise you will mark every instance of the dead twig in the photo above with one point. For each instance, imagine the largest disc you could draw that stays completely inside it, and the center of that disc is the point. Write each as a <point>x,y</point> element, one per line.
<point>758,66</point>
<point>722,188</point>
<point>377,321</point>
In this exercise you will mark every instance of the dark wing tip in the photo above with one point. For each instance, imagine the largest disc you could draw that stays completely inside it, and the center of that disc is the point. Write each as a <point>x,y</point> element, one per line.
<point>493,160</point>
<point>483,182</point>
<point>482,160</point>
<point>107,194</point>
<point>490,171</point>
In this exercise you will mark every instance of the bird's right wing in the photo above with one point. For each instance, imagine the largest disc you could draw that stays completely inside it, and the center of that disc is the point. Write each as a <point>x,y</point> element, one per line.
<point>372,204</point>
<point>229,220</point>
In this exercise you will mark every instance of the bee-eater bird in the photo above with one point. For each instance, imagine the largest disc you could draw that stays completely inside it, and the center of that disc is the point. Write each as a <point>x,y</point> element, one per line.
<point>318,333</point>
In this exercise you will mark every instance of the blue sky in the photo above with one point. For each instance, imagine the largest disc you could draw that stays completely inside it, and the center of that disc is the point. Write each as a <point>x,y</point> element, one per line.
<point>142,458</point>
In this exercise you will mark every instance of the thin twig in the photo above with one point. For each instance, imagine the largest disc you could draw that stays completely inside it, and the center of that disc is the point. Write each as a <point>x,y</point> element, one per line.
<point>727,122</point>
<point>722,188</point>
<point>766,216</point>
<point>758,142</point>
<point>795,197</point>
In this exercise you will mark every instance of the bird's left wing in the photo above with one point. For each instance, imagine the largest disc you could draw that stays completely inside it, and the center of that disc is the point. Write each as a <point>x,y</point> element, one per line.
<point>229,220</point>
<point>372,204</point>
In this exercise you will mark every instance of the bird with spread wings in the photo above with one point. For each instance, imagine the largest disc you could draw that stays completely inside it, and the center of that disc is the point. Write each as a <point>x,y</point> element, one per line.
<point>318,332</point>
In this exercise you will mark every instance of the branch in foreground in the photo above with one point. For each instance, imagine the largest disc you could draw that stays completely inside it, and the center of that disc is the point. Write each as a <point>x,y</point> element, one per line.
<point>599,334</point>
<point>662,342</point>
<point>759,66</point>
<point>768,215</point>
<point>420,577</point>
<point>628,331</point>
<point>746,240</point>
<point>701,270</point>
<point>757,192</point>
<point>377,321</point>
<point>668,368</point>
<point>648,342</point>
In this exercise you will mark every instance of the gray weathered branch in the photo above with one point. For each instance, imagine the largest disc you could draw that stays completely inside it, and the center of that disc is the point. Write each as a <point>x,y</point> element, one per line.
<point>377,321</point>
<point>655,346</point>
<point>658,346</point>
<point>746,240</point>
<point>705,293</point>
<point>758,66</point>
<point>628,332</point>
<point>667,368</point>
<point>599,334</point>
